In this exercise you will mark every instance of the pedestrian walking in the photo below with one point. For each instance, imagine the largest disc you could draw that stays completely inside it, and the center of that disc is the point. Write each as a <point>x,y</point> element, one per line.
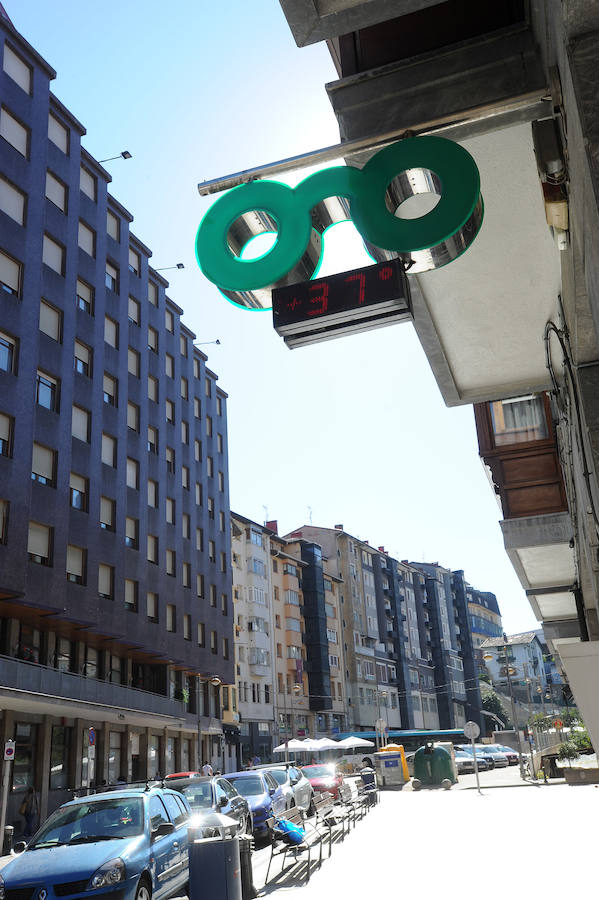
<point>207,768</point>
<point>29,809</point>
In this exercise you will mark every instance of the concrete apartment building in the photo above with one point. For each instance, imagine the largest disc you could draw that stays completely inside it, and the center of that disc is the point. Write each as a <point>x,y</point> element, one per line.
<point>491,76</point>
<point>523,654</point>
<point>115,584</point>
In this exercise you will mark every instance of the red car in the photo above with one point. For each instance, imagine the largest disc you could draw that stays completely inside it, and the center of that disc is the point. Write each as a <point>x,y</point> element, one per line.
<point>324,777</point>
<point>182,775</point>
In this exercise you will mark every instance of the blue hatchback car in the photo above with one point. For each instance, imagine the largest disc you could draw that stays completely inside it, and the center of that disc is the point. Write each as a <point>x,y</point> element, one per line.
<point>122,845</point>
<point>264,796</point>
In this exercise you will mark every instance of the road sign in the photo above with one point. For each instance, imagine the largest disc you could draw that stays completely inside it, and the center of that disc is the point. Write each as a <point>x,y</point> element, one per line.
<point>557,724</point>
<point>9,750</point>
<point>92,737</point>
<point>471,730</point>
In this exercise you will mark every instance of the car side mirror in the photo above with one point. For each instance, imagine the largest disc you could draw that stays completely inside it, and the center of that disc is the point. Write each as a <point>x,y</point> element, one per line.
<point>272,791</point>
<point>19,847</point>
<point>163,829</point>
<point>222,802</point>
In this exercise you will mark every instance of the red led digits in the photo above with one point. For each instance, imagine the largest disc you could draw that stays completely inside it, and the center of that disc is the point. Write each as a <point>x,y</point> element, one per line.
<point>293,303</point>
<point>386,273</point>
<point>360,277</point>
<point>322,298</point>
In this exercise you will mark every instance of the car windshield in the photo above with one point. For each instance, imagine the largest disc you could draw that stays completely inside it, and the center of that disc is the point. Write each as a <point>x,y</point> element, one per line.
<point>319,771</point>
<point>94,820</point>
<point>280,775</point>
<point>199,796</point>
<point>248,787</point>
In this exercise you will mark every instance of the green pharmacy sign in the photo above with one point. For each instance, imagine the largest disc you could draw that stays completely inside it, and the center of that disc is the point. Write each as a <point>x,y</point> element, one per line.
<point>370,196</point>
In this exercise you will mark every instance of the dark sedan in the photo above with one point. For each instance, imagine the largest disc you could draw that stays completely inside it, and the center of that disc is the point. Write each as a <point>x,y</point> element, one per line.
<point>264,796</point>
<point>214,793</point>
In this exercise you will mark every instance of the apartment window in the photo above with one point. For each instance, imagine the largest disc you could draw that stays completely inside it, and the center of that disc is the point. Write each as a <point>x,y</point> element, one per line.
<point>133,362</point>
<point>13,202</point>
<point>8,354</point>
<point>106,581</point>
<point>132,473</point>
<point>223,562</point>
<point>79,491</point>
<point>131,595</point>
<point>221,526</point>
<point>221,481</point>
<point>109,450</point>
<point>197,408</point>
<point>43,465</point>
<point>152,339</point>
<point>200,586</point>
<point>39,544</point>
<point>219,442</point>
<point>152,548</point>
<point>46,391</point>
<point>80,424</point>
<point>152,388</point>
<point>213,596</point>
<point>113,226</point>
<point>87,183</point>
<point>152,439</point>
<point>50,320</point>
<point>187,627</point>
<point>133,311</point>
<point>209,466</point>
<point>224,604</point>
<point>56,191</point>
<point>213,642</point>
<point>226,656</point>
<point>197,450</point>
<point>208,387</point>
<point>170,411</point>
<point>170,460</point>
<point>185,525</point>
<point>111,277</point>
<point>152,606</point>
<point>211,551</point>
<point>110,389</point>
<point>85,298</point>
<point>111,332</point>
<point>219,406</point>
<point>169,365</point>
<point>75,564</point>
<point>17,69</point>
<point>153,293</point>
<point>83,359</point>
<point>134,261</point>
<point>209,426</point>
<point>10,274</point>
<point>171,563</point>
<point>185,477</point>
<point>196,368</point>
<point>152,493</point>
<point>133,416</point>
<point>107,513</point>
<point>201,634</point>
<point>186,574</point>
<point>170,510</point>
<point>53,254</point>
<point>200,539</point>
<point>131,533</point>
<point>210,508</point>
<point>199,494</point>
<point>171,617</point>
<point>184,388</point>
<point>14,132</point>
<point>58,133</point>
<point>87,239</point>
<point>169,321</point>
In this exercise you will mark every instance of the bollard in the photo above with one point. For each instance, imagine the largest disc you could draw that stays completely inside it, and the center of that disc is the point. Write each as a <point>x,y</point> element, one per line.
<point>7,839</point>
<point>246,845</point>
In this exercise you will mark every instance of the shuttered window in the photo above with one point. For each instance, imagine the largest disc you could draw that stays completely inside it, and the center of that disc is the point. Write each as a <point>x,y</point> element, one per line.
<point>106,581</point>
<point>169,366</point>
<point>80,424</point>
<point>50,320</point>
<point>43,464</point>
<point>87,239</point>
<point>153,293</point>
<point>111,331</point>
<point>152,339</point>
<point>10,274</point>
<point>152,548</point>
<point>56,191</point>
<point>133,311</point>
<point>113,226</point>
<point>131,595</point>
<point>152,493</point>
<point>132,473</point>
<point>53,254</point>
<point>39,544</point>
<point>6,426</point>
<point>85,297</point>
<point>79,490</point>
<point>83,359</point>
<point>87,183</point>
<point>58,134</point>
<point>131,530</point>
<point>133,362</point>
<point>109,387</point>
<point>75,564</point>
<point>170,510</point>
<point>152,388</point>
<point>107,513</point>
<point>12,201</point>
<point>17,69</point>
<point>170,459</point>
<point>134,262</point>
<point>108,450</point>
<point>111,279</point>
<point>133,416</point>
<point>14,132</point>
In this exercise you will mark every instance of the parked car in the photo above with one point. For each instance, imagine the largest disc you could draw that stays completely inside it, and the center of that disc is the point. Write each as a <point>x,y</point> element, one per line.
<point>500,760</point>
<point>175,775</point>
<point>264,795</point>
<point>216,793</point>
<point>483,761</point>
<point>132,843</point>
<point>464,762</point>
<point>324,777</point>
<point>512,756</point>
<point>296,787</point>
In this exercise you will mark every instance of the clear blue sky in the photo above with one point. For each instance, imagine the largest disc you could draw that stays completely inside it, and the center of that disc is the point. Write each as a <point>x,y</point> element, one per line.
<point>352,431</point>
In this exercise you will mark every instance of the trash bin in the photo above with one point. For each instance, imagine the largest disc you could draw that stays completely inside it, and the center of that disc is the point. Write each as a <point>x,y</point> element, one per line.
<point>389,769</point>
<point>214,863</point>
<point>246,845</point>
<point>9,831</point>
<point>433,767</point>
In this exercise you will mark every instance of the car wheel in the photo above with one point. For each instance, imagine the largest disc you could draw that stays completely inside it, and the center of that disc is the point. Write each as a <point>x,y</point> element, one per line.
<point>144,889</point>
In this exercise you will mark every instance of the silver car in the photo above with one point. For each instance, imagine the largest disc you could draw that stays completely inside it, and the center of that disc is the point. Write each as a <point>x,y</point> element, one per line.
<point>296,787</point>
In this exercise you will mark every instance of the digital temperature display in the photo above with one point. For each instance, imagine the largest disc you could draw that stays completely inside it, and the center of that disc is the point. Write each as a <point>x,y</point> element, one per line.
<point>347,303</point>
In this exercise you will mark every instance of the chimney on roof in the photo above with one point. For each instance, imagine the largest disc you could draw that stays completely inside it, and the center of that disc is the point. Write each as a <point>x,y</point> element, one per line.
<point>382,550</point>
<point>338,527</point>
<point>273,525</point>
<point>405,562</point>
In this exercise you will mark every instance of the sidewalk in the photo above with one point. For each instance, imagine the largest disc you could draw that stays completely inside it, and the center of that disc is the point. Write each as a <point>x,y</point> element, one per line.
<point>503,842</point>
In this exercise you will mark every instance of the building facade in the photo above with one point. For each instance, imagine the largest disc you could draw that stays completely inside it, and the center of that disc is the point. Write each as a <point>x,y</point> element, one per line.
<point>522,655</point>
<point>114,509</point>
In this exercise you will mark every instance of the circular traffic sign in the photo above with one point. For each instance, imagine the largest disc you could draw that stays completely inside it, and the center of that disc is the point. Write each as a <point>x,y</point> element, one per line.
<point>558,723</point>
<point>471,730</point>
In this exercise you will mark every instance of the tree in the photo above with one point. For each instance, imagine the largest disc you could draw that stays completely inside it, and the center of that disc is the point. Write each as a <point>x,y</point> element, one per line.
<point>567,750</point>
<point>491,702</point>
<point>484,676</point>
<point>581,741</point>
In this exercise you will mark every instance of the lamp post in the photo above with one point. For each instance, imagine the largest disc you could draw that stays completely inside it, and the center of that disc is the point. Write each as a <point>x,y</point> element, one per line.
<point>215,681</point>
<point>296,689</point>
<point>380,694</point>
<point>509,670</point>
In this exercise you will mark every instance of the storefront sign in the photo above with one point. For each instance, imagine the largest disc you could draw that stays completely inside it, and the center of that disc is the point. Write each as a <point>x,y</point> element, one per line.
<point>443,165</point>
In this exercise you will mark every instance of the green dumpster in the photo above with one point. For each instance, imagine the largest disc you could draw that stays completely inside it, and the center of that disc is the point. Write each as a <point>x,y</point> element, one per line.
<point>433,768</point>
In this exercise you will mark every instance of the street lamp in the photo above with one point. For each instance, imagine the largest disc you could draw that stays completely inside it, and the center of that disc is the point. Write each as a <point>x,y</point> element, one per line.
<point>380,694</point>
<point>216,682</point>
<point>124,154</point>
<point>509,670</point>
<point>296,689</point>
<point>165,268</point>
